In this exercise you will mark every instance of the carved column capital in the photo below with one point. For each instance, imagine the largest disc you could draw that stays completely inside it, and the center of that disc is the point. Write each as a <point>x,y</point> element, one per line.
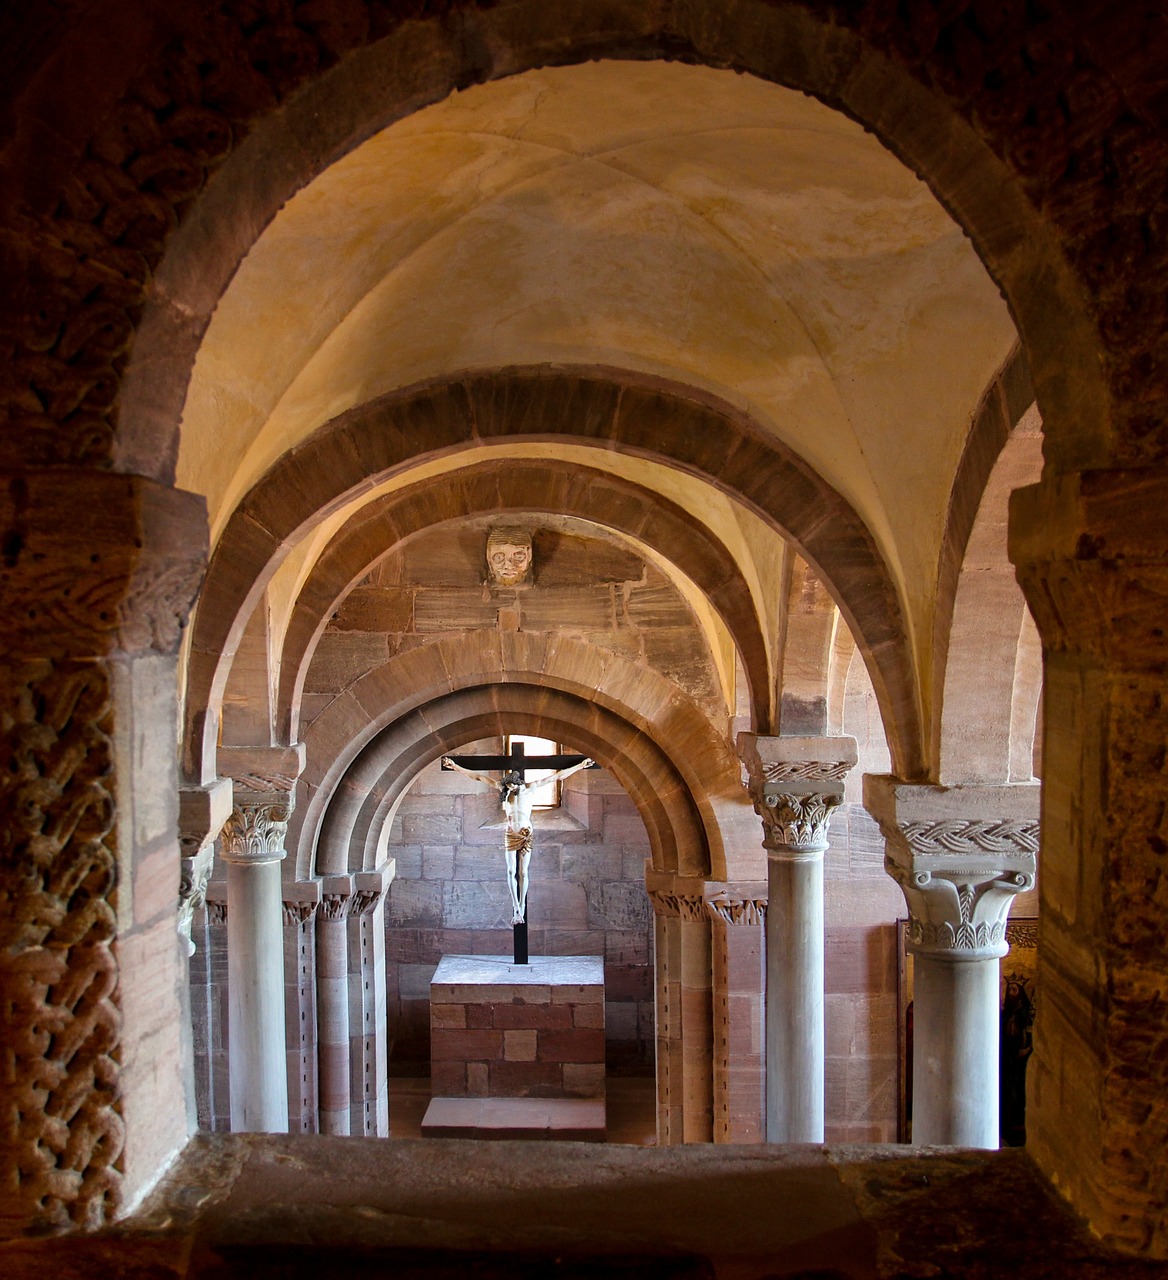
<point>254,833</point>
<point>302,899</point>
<point>960,855</point>
<point>687,898</point>
<point>678,906</point>
<point>193,878</point>
<point>357,894</point>
<point>145,555</point>
<point>202,811</point>
<point>263,784</point>
<point>795,783</point>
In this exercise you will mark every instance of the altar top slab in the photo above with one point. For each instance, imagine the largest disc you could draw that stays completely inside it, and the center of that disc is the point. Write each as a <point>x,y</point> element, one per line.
<point>541,971</point>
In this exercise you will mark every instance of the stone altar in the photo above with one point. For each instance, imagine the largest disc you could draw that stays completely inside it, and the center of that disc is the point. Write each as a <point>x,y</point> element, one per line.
<point>517,1050</point>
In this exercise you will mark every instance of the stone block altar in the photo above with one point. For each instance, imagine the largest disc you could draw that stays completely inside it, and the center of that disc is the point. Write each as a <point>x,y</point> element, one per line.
<point>517,1050</point>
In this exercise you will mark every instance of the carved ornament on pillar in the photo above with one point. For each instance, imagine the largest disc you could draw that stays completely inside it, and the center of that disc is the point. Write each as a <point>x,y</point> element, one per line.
<point>202,811</point>
<point>795,823</point>
<point>193,877</point>
<point>678,906</point>
<point>959,871</point>
<point>795,784</point>
<point>297,913</point>
<point>255,831</point>
<point>694,900</point>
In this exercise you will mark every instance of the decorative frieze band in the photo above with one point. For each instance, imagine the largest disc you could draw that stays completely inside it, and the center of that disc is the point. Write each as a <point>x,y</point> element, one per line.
<point>1007,837</point>
<point>806,770</point>
<point>727,907</point>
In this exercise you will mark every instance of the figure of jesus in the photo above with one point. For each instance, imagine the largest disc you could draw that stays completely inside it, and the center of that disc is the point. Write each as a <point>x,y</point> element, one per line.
<point>515,797</point>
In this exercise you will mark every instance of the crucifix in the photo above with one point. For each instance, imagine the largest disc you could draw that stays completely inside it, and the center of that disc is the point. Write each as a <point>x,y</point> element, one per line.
<point>515,797</point>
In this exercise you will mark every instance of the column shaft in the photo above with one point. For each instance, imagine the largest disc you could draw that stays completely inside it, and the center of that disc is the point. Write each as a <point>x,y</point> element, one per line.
<point>955,1052</point>
<point>255,998</point>
<point>332,991</point>
<point>794,999</point>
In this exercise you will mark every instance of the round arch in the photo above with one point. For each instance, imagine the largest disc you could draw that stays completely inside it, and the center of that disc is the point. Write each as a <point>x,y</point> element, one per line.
<point>517,486</point>
<point>873,76</point>
<point>606,409</point>
<point>675,766</point>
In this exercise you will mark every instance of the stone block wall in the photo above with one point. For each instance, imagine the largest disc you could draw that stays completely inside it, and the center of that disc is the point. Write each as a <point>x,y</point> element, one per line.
<point>587,897</point>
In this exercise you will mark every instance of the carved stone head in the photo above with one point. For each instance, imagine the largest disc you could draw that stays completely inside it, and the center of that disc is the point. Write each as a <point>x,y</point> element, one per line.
<point>509,556</point>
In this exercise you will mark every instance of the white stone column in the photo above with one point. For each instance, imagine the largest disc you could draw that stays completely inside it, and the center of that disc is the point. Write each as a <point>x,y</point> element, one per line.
<point>253,848</point>
<point>795,784</point>
<point>961,855</point>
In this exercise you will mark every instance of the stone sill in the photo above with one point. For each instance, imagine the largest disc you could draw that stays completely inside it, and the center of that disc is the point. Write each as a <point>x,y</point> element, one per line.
<point>252,1205</point>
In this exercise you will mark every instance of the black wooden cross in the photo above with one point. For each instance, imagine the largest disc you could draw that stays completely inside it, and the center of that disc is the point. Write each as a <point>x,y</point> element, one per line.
<point>517,762</point>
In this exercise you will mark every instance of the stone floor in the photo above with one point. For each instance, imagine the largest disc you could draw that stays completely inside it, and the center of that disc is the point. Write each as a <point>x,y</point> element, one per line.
<point>255,1207</point>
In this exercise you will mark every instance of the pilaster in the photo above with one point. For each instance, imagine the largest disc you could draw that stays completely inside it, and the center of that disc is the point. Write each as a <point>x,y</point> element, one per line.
<point>1091,552</point>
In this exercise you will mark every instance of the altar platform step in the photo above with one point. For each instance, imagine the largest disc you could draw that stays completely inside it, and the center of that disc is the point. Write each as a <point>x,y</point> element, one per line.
<point>543,1119</point>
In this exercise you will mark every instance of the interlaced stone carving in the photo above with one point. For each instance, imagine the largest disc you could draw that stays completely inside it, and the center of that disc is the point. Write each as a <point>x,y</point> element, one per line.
<point>217,913</point>
<point>806,770</point>
<point>1010,838</point>
<point>59,1017</point>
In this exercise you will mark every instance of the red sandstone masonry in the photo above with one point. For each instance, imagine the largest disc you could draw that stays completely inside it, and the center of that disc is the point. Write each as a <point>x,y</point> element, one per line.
<point>498,1039</point>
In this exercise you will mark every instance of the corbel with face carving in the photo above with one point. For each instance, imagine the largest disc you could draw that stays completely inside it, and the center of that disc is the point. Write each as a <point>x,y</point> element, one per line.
<point>509,557</point>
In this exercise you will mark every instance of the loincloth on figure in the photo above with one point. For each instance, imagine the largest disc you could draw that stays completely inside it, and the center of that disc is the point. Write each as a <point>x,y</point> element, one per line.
<point>519,841</point>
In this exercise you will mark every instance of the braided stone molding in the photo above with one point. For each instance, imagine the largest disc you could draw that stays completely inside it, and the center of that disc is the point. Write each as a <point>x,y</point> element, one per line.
<point>806,770</point>
<point>217,913</point>
<point>1006,838</point>
<point>60,1025</point>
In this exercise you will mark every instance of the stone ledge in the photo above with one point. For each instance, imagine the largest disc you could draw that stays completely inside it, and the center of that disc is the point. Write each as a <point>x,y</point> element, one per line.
<point>545,1119</point>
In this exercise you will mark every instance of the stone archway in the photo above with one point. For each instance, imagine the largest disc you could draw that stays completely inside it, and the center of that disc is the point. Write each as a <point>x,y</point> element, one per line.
<point>518,486</point>
<point>1045,153</point>
<point>605,409</point>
